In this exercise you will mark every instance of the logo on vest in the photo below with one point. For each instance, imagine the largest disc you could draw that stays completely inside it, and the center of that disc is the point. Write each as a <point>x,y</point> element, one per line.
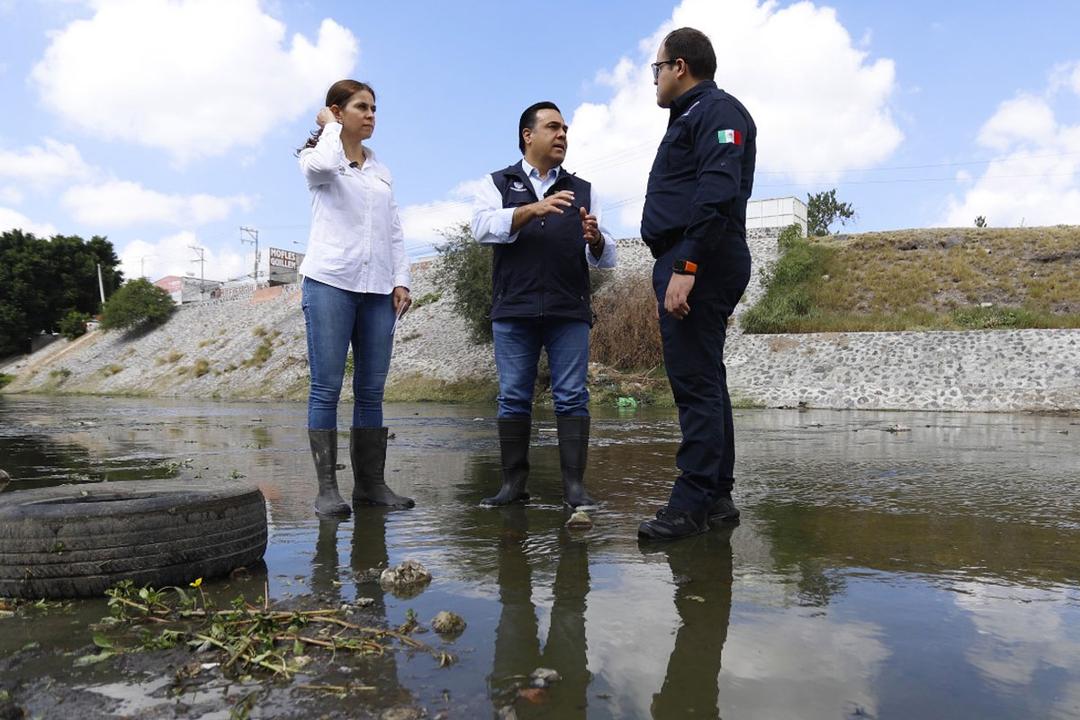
<point>518,186</point>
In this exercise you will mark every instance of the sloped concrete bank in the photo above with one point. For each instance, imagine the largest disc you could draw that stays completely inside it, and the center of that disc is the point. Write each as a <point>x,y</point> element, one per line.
<point>254,348</point>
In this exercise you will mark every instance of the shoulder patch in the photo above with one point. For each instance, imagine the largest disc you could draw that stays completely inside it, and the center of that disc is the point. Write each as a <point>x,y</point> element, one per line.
<point>729,137</point>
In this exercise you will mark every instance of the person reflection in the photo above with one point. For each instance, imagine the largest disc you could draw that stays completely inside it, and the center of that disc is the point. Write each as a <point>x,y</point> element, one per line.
<point>517,644</point>
<point>702,570</point>
<point>367,560</point>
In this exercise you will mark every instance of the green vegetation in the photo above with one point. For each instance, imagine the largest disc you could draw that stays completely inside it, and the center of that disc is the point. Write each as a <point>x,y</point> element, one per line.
<point>200,368</point>
<point>823,209</point>
<point>933,279</point>
<point>465,267</point>
<point>43,280</point>
<point>426,299</point>
<point>138,303</point>
<point>261,354</point>
<point>73,324</point>
<point>5,379</point>
<point>110,370</point>
<point>419,388</point>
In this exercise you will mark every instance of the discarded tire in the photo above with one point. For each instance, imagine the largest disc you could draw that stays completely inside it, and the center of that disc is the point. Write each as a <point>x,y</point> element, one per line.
<point>79,540</point>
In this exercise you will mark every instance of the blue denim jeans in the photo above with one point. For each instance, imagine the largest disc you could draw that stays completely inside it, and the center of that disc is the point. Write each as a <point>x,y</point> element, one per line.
<point>335,318</point>
<point>517,351</point>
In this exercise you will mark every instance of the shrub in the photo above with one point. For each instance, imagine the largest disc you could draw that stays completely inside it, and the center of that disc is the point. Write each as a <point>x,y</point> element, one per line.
<point>200,368</point>
<point>626,335</point>
<point>73,324</point>
<point>787,284</point>
<point>261,354</point>
<point>465,267</point>
<point>427,299</point>
<point>137,302</point>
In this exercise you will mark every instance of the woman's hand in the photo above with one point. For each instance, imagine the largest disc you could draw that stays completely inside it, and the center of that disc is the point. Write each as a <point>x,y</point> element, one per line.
<point>325,116</point>
<point>402,300</point>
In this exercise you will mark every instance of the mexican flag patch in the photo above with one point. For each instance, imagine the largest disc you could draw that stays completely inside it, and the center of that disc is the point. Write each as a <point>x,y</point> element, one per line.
<point>729,137</point>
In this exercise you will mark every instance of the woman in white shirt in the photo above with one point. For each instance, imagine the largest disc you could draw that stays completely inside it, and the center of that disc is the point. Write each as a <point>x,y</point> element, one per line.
<point>356,285</point>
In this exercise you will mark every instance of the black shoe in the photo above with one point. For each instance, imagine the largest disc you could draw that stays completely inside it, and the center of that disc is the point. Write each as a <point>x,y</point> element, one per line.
<point>671,524</point>
<point>724,510</point>
<point>514,435</point>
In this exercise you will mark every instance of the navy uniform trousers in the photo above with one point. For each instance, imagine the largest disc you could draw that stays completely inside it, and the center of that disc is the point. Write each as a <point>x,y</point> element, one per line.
<point>694,357</point>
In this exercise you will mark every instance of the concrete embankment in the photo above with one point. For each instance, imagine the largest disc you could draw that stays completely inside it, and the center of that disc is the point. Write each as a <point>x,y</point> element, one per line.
<point>254,347</point>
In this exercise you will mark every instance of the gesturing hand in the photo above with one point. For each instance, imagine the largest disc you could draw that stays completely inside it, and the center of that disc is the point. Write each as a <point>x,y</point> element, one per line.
<point>589,227</point>
<point>554,203</point>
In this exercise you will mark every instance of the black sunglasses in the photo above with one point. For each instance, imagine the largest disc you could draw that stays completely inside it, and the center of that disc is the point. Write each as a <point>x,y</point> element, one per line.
<point>657,65</point>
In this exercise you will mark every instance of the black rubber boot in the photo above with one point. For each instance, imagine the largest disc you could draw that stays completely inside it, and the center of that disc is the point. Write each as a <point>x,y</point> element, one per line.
<point>671,524</point>
<point>573,456</point>
<point>367,452</point>
<point>324,452</point>
<point>514,434</point>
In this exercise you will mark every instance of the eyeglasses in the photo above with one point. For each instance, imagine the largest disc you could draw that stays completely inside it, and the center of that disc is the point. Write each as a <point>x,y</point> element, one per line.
<point>657,65</point>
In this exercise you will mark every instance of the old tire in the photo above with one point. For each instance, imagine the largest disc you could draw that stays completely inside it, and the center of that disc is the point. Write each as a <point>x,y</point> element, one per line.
<point>78,540</point>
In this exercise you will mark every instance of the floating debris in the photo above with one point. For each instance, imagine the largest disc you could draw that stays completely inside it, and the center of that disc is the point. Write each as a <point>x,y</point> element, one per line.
<point>405,580</point>
<point>579,520</point>
<point>543,677</point>
<point>897,428</point>
<point>448,623</point>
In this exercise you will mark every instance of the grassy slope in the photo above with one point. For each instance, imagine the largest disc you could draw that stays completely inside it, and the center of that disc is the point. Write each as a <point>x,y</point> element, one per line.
<point>925,279</point>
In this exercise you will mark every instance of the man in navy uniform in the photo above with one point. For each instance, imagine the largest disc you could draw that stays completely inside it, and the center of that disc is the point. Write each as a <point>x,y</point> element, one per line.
<point>545,226</point>
<point>694,221</point>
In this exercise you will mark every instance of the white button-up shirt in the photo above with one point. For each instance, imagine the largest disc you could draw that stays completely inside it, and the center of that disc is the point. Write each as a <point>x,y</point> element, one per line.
<point>491,222</point>
<point>356,241</point>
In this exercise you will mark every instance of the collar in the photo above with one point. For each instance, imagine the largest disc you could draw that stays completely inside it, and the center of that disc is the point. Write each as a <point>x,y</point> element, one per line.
<point>685,101</point>
<point>529,170</point>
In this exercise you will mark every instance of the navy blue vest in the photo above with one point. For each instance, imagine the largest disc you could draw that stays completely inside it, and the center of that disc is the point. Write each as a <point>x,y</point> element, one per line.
<point>543,273</point>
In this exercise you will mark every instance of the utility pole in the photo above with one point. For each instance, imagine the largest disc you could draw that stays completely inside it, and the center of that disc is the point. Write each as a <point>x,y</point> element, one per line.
<point>253,236</point>
<point>101,285</point>
<point>202,269</point>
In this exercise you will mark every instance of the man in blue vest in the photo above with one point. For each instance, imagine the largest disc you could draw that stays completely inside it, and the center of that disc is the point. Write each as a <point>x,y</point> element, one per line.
<point>694,221</point>
<point>545,226</point>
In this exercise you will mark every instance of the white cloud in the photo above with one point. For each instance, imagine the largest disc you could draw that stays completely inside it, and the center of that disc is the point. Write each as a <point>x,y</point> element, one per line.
<point>14,220</point>
<point>119,203</point>
<point>821,106</point>
<point>11,195</point>
<point>423,223</point>
<point>43,165</point>
<point>172,255</point>
<point>1036,178</point>
<point>192,77</point>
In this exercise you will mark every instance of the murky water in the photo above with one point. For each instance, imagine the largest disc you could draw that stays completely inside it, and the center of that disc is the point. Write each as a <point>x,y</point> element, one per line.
<point>929,573</point>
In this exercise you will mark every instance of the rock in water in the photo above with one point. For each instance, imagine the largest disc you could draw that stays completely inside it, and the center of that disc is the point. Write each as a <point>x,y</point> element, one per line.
<point>405,580</point>
<point>448,623</point>
<point>4,479</point>
<point>580,520</point>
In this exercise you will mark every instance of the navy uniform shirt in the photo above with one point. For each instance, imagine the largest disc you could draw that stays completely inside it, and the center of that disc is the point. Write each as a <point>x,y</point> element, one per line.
<point>702,176</point>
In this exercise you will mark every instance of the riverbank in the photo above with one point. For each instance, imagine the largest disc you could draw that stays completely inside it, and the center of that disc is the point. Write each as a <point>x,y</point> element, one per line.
<point>254,348</point>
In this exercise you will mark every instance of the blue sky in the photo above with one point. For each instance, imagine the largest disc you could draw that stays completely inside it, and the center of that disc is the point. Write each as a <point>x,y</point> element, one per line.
<point>168,124</point>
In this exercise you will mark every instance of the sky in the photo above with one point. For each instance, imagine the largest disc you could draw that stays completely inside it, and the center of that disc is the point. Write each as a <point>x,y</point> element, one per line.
<point>165,125</point>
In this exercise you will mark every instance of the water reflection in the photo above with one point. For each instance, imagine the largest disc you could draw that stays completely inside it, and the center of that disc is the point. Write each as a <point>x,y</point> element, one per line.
<point>932,572</point>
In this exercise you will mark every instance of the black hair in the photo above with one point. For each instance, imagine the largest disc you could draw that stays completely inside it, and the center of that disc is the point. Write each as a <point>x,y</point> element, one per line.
<point>528,119</point>
<point>694,47</point>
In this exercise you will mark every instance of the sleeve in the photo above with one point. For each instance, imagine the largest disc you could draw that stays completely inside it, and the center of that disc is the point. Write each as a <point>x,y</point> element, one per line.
<point>402,276</point>
<point>607,255</point>
<point>719,143</point>
<point>320,163</point>
<point>491,221</point>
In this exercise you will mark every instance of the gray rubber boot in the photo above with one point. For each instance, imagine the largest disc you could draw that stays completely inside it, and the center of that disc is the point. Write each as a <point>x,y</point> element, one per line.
<point>324,452</point>
<point>514,434</point>
<point>367,452</point>
<point>573,456</point>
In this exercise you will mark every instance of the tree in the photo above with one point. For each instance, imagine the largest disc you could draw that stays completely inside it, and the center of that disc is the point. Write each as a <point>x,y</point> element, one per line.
<point>139,302</point>
<point>980,221</point>
<point>73,324</point>
<point>465,266</point>
<point>823,209</point>
<point>41,280</point>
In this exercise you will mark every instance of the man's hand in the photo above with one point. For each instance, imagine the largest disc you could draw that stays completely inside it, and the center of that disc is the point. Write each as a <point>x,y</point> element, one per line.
<point>402,300</point>
<point>325,116</point>
<point>591,229</point>
<point>678,290</point>
<point>554,203</point>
